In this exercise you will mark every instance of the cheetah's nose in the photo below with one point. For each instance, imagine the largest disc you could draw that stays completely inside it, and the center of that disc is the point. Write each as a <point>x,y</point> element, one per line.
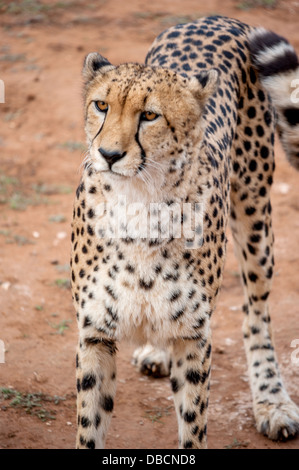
<point>111,156</point>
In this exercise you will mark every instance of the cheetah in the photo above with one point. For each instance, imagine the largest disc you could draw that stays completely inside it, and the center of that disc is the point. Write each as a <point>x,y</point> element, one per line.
<point>193,128</point>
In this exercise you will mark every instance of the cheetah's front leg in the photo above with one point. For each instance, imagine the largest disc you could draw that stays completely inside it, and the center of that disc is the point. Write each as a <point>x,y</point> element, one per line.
<point>96,386</point>
<point>276,415</point>
<point>190,377</point>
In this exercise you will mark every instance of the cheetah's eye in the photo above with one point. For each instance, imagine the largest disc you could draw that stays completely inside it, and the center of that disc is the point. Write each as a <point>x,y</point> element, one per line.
<point>101,106</point>
<point>149,116</point>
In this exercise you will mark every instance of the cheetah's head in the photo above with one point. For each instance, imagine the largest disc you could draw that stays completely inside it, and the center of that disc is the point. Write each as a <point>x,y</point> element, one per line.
<point>142,122</point>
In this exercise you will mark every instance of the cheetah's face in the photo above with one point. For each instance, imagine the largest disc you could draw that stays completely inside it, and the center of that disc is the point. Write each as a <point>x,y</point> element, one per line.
<point>139,119</point>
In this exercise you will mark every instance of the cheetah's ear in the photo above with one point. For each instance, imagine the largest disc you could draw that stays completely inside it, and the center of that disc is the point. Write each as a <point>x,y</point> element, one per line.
<point>93,64</point>
<point>205,84</point>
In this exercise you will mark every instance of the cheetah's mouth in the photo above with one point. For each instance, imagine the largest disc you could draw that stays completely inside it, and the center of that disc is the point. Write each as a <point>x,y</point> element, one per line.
<point>119,175</point>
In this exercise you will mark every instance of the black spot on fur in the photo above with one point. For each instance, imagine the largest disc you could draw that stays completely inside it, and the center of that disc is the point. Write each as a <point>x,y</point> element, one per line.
<point>193,376</point>
<point>90,444</point>
<point>88,382</point>
<point>146,285</point>
<point>107,403</point>
<point>292,116</point>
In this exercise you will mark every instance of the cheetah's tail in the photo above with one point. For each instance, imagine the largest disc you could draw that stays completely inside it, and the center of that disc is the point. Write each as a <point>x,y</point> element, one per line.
<point>278,67</point>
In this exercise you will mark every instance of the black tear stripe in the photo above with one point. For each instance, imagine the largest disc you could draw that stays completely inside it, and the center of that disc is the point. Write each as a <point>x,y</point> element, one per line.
<point>143,155</point>
<point>100,130</point>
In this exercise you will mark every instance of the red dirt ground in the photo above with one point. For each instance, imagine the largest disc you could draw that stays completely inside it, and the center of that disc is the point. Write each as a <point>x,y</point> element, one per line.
<point>41,148</point>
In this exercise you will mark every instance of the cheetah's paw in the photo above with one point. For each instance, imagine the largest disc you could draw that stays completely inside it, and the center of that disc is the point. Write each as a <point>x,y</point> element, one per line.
<point>152,361</point>
<point>278,421</point>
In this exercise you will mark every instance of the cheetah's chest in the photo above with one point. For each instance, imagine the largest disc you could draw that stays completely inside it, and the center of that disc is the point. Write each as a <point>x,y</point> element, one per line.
<point>142,299</point>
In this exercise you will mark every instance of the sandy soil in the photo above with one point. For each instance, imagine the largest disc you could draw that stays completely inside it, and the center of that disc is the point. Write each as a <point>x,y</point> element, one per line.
<point>41,148</point>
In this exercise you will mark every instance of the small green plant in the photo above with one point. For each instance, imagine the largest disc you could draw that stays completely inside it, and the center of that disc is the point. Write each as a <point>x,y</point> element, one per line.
<point>32,403</point>
<point>7,393</point>
<point>63,268</point>
<point>51,189</point>
<point>157,413</point>
<point>7,185</point>
<point>5,233</point>
<point>57,218</point>
<point>11,116</point>
<point>63,283</point>
<point>12,193</point>
<point>15,238</point>
<point>21,240</point>
<point>61,327</point>
<point>12,58</point>
<point>39,308</point>
<point>248,4</point>
<point>32,6</point>
<point>19,201</point>
<point>236,444</point>
<point>170,20</point>
<point>72,146</point>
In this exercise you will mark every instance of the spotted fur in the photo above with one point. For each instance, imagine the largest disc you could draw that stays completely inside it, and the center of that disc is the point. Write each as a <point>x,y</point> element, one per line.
<point>194,125</point>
